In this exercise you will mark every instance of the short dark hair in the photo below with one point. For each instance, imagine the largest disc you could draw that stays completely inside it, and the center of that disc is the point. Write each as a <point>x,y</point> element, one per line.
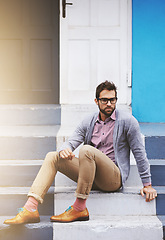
<point>105,86</point>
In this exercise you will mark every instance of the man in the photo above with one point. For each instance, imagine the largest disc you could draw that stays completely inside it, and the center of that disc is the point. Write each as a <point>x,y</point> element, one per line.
<point>103,161</point>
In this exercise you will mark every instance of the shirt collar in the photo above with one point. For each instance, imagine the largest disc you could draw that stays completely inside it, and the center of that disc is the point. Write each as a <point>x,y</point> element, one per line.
<point>113,117</point>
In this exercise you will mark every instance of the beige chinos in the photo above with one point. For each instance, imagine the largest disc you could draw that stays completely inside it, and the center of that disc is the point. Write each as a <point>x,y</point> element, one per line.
<point>91,169</point>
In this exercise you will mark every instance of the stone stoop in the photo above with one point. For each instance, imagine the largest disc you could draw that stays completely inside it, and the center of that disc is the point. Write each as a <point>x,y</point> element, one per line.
<point>27,142</point>
<point>118,216</point>
<point>125,202</point>
<point>13,198</point>
<point>27,133</point>
<point>18,173</point>
<point>155,147</point>
<point>110,227</point>
<point>37,231</point>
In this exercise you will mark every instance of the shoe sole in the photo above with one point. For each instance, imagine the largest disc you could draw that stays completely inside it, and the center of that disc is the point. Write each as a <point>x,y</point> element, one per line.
<point>32,221</point>
<point>75,220</point>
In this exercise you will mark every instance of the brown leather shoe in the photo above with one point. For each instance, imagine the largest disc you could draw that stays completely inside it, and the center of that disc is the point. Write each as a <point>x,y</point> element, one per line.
<point>71,215</point>
<point>24,216</point>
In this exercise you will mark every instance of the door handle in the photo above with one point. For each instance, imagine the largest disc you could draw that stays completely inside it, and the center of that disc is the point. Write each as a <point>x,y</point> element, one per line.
<point>64,3</point>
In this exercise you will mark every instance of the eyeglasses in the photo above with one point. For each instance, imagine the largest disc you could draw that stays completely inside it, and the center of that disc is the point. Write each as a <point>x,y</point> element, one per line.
<point>106,100</point>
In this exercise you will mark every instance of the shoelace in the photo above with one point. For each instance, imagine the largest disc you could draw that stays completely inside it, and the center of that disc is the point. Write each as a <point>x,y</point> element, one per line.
<point>20,210</point>
<point>69,208</point>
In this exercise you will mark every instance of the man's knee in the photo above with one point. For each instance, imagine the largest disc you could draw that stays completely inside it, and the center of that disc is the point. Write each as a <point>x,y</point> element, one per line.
<point>52,157</point>
<point>85,150</point>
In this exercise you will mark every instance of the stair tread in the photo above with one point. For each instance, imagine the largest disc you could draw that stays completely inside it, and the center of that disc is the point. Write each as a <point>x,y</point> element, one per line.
<point>111,228</point>
<point>98,227</point>
<point>160,189</point>
<point>153,129</point>
<point>162,219</point>
<point>19,190</point>
<point>125,190</point>
<point>28,106</point>
<point>29,131</point>
<point>23,190</point>
<point>45,220</point>
<point>101,220</point>
<point>157,161</point>
<point>20,162</point>
<point>119,220</point>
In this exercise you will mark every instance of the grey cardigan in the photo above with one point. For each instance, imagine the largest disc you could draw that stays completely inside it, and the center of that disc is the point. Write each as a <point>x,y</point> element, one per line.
<point>126,136</point>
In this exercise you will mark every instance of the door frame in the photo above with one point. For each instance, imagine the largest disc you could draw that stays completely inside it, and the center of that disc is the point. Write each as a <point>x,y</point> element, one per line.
<point>129,55</point>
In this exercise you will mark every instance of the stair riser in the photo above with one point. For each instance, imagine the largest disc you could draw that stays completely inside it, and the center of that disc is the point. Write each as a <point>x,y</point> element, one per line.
<point>162,219</point>
<point>30,115</point>
<point>26,147</point>
<point>133,179</point>
<point>40,231</point>
<point>160,204</point>
<point>113,204</point>
<point>11,202</point>
<point>158,175</point>
<point>106,232</point>
<point>24,174</point>
<point>155,147</point>
<point>18,175</point>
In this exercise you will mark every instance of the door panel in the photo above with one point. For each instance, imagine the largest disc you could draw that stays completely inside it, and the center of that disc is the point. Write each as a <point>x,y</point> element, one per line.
<point>94,48</point>
<point>29,51</point>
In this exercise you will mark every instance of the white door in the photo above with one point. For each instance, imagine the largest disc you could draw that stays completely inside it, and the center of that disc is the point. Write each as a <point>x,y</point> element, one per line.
<point>95,46</point>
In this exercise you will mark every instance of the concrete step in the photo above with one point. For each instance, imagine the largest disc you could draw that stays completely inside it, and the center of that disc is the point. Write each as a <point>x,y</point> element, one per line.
<point>162,219</point>
<point>126,202</point>
<point>47,114</point>
<point>133,180</point>
<point>37,231</point>
<point>12,198</point>
<point>30,114</point>
<point>111,227</point>
<point>154,139</point>
<point>73,114</point>
<point>18,173</point>
<point>21,173</point>
<point>98,227</point>
<point>157,171</point>
<point>27,142</point>
<point>160,200</point>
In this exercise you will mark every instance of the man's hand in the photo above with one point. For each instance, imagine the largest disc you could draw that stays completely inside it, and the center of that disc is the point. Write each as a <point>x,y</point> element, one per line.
<point>150,193</point>
<point>67,154</point>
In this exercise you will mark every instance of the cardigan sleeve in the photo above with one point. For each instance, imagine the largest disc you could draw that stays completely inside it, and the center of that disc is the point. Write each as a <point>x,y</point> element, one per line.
<point>78,135</point>
<point>136,144</point>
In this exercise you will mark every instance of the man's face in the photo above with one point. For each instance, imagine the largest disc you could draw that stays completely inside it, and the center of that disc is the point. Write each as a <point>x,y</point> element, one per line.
<point>106,109</point>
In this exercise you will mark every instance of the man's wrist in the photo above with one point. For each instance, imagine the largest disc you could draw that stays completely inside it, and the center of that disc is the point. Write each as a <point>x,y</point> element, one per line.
<point>146,184</point>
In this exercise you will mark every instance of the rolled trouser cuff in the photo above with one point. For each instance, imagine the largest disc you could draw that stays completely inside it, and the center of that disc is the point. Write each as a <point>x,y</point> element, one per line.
<point>82,196</point>
<point>83,189</point>
<point>38,198</point>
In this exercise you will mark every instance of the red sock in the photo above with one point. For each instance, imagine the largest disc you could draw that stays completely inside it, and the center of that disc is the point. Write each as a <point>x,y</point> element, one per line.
<point>80,204</point>
<point>31,205</point>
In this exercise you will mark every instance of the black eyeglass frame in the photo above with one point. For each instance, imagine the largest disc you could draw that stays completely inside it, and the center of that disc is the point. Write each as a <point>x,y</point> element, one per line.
<point>106,100</point>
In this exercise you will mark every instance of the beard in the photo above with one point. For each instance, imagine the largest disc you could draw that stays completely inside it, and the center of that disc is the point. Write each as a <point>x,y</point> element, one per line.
<point>107,111</point>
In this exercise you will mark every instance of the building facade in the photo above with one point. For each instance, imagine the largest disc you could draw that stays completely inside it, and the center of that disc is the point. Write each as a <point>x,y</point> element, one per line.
<point>48,56</point>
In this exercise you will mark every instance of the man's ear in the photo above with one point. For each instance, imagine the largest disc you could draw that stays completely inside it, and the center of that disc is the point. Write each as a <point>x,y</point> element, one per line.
<point>96,101</point>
